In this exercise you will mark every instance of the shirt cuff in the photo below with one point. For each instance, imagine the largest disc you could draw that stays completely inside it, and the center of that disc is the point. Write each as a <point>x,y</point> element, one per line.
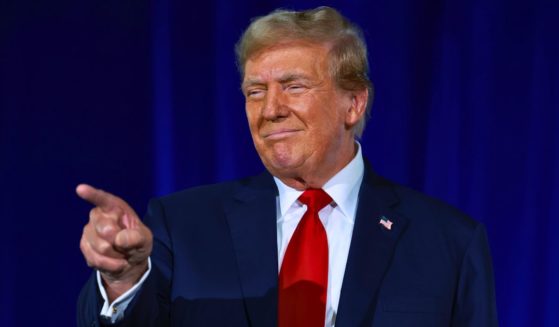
<point>115,311</point>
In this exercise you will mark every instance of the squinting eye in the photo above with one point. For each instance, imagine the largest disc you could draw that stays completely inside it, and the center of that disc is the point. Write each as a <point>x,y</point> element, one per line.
<point>296,88</point>
<point>255,94</point>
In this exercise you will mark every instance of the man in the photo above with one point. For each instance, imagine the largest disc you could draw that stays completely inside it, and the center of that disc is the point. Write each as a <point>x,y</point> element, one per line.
<point>318,240</point>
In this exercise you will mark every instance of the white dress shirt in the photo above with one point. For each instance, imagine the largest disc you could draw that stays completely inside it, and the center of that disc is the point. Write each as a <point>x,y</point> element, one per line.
<point>115,311</point>
<point>338,219</point>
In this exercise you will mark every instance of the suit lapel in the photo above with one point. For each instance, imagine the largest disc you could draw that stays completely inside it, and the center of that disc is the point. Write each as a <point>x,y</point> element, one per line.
<point>252,221</point>
<point>370,253</point>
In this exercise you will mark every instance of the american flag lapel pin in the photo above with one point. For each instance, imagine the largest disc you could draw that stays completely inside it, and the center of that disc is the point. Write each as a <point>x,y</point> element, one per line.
<point>385,222</point>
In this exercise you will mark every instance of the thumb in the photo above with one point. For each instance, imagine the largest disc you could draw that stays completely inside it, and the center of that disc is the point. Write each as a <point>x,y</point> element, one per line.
<point>132,238</point>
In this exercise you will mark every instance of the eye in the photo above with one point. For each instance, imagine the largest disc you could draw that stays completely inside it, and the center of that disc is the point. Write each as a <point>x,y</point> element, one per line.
<point>255,93</point>
<point>296,88</point>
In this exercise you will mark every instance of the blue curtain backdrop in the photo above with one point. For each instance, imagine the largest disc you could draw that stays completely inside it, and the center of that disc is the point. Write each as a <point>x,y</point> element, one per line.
<point>142,98</point>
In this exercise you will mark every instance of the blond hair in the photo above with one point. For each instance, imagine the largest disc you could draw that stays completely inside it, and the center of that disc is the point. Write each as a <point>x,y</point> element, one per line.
<point>348,65</point>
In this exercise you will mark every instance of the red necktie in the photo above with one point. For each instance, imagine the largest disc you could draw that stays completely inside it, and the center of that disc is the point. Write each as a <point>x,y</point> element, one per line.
<point>303,279</point>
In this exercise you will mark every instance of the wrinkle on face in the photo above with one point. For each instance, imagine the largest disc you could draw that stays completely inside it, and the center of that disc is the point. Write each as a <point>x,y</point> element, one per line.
<point>296,114</point>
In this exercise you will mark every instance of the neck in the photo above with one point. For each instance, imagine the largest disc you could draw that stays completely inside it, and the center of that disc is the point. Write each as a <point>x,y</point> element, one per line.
<point>316,177</point>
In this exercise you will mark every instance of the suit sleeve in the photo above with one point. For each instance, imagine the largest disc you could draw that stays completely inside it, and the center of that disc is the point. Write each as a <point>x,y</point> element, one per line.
<point>151,305</point>
<point>475,304</point>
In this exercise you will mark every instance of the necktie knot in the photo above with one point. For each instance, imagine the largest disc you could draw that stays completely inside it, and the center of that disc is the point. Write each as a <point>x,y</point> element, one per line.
<point>315,199</point>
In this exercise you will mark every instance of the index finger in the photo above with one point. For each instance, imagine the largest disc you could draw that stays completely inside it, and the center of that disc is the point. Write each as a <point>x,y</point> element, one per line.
<point>97,197</point>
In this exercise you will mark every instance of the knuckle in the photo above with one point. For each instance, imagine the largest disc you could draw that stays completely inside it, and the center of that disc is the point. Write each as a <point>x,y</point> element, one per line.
<point>114,214</point>
<point>83,248</point>
<point>104,248</point>
<point>93,262</point>
<point>93,214</point>
<point>88,255</point>
<point>100,226</point>
<point>82,243</point>
<point>106,228</point>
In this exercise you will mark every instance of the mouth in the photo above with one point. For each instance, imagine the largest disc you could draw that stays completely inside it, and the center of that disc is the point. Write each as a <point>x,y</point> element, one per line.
<point>280,134</point>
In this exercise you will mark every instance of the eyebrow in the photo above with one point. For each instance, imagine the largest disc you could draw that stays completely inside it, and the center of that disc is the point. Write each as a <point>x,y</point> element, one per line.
<point>292,77</point>
<point>282,80</point>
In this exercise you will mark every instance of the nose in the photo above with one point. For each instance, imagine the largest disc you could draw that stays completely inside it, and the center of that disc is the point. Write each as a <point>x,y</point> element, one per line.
<point>274,106</point>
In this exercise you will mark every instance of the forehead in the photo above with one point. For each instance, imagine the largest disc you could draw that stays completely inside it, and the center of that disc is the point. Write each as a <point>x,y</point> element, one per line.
<point>293,58</point>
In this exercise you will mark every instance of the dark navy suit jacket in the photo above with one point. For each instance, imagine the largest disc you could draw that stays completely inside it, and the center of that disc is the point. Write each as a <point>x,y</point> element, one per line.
<point>215,261</point>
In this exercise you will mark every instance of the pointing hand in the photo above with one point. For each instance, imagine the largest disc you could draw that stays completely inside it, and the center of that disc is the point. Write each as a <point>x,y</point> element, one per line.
<point>114,241</point>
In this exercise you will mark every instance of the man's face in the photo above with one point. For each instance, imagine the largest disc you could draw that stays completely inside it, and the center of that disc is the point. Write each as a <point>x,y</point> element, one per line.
<point>299,119</point>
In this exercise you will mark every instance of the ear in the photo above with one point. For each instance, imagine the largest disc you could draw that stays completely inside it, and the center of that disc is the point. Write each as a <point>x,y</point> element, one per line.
<point>357,109</point>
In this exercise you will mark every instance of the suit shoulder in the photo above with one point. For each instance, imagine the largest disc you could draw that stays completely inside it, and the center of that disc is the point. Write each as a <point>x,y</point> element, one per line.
<point>200,191</point>
<point>435,227</point>
<point>214,193</point>
<point>423,209</point>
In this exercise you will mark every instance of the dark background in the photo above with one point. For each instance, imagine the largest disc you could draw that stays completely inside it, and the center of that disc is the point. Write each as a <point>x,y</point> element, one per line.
<point>142,98</point>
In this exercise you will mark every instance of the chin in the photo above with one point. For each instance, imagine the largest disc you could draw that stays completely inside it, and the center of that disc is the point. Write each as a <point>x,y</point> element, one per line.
<point>288,170</point>
<point>282,164</point>
<point>281,158</point>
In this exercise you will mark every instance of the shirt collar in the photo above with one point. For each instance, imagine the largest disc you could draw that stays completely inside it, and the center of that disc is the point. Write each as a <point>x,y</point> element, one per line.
<point>343,188</point>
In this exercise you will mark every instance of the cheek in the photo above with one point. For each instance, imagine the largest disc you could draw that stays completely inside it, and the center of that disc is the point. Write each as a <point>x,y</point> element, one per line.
<point>329,117</point>
<point>252,119</point>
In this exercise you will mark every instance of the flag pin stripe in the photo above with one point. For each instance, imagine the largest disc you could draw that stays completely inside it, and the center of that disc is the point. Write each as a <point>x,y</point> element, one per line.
<point>385,222</point>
